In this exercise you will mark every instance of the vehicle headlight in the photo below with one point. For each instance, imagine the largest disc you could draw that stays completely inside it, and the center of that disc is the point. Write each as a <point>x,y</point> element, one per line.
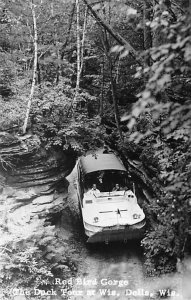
<point>96,219</point>
<point>136,216</point>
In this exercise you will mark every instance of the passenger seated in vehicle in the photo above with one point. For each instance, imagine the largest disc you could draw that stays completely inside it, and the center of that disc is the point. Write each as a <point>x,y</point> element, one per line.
<point>94,190</point>
<point>117,188</point>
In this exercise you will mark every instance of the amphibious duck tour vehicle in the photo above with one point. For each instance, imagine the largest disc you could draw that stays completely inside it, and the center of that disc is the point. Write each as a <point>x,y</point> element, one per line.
<point>109,208</point>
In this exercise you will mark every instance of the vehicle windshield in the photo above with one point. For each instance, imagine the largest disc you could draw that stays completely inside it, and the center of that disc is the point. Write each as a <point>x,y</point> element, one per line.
<point>106,181</point>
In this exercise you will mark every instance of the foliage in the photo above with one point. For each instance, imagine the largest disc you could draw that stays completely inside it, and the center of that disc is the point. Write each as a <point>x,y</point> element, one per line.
<point>158,246</point>
<point>27,267</point>
<point>51,118</point>
<point>168,128</point>
<point>33,262</point>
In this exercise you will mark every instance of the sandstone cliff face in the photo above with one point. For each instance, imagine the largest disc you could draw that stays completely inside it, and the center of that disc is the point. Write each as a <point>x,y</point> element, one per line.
<point>29,169</point>
<point>29,164</point>
<point>33,190</point>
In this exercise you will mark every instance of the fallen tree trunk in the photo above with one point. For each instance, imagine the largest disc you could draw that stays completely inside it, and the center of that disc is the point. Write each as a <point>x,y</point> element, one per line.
<point>115,35</point>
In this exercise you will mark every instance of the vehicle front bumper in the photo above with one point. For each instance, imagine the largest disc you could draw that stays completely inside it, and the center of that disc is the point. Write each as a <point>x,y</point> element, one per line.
<point>116,233</point>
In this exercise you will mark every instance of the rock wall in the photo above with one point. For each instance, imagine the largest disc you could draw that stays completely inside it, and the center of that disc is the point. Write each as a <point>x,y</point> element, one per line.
<point>33,191</point>
<point>28,164</point>
<point>32,180</point>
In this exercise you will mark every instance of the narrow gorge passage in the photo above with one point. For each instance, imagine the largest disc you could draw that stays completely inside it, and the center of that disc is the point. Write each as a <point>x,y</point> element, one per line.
<point>113,271</point>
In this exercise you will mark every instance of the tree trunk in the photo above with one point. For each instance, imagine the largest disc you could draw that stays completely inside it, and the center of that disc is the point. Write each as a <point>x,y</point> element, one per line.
<point>80,52</point>
<point>102,89</point>
<point>147,29</point>
<point>69,29</point>
<point>34,68</point>
<point>83,40</point>
<point>116,109</point>
<point>38,74</point>
<point>58,71</point>
<point>115,35</point>
<point>117,71</point>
